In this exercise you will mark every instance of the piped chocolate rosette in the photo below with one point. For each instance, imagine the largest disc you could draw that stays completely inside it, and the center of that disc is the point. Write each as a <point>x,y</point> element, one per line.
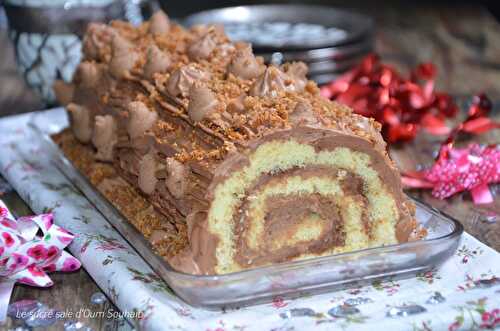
<point>250,157</point>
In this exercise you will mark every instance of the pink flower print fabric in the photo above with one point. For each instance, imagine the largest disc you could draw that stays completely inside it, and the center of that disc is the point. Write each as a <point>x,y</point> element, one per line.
<point>27,257</point>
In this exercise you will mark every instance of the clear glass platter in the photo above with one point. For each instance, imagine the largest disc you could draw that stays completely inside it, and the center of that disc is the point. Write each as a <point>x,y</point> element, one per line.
<point>285,279</point>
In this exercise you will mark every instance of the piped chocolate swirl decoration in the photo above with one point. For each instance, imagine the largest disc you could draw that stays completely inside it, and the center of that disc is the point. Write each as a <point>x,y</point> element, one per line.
<point>258,166</point>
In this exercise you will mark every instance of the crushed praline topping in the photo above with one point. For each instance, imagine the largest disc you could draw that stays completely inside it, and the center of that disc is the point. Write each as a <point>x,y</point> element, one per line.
<point>239,98</point>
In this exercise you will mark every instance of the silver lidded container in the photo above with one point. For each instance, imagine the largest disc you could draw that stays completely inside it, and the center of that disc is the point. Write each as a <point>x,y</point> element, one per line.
<point>47,35</point>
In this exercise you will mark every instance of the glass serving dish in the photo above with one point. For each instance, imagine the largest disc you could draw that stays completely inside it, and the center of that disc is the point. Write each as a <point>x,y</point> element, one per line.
<point>285,279</point>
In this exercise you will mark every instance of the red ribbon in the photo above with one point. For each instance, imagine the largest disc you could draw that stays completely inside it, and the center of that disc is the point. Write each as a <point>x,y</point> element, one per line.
<point>401,105</point>
<point>404,105</point>
<point>477,120</point>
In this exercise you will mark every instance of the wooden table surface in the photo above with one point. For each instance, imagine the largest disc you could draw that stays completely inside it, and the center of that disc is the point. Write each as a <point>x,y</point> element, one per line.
<point>464,43</point>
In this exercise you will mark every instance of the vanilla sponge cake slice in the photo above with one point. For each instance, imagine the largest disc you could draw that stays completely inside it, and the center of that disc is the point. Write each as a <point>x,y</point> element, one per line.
<point>258,166</point>
<point>295,194</point>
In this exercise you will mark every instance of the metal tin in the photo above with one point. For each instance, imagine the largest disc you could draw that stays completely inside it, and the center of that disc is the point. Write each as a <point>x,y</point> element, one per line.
<point>336,53</point>
<point>271,28</point>
<point>346,26</point>
<point>324,78</point>
<point>321,67</point>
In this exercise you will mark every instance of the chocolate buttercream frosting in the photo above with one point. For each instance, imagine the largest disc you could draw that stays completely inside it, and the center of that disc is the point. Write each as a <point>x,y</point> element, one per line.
<point>124,57</point>
<point>63,91</point>
<point>237,105</point>
<point>141,119</point>
<point>97,41</point>
<point>88,74</point>
<point>159,23</point>
<point>147,169</point>
<point>182,79</point>
<point>272,81</point>
<point>80,119</point>
<point>176,180</point>
<point>104,137</point>
<point>244,64</point>
<point>303,114</point>
<point>202,47</point>
<point>202,102</point>
<point>157,61</point>
<point>298,72</point>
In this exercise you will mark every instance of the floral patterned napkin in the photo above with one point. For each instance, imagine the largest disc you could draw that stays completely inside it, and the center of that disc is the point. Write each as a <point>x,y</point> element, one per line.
<point>463,294</point>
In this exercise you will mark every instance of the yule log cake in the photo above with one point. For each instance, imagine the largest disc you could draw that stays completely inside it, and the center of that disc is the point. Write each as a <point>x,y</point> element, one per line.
<point>257,164</point>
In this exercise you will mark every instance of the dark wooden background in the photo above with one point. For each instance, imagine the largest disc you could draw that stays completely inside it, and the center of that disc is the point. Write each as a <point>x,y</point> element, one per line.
<point>462,40</point>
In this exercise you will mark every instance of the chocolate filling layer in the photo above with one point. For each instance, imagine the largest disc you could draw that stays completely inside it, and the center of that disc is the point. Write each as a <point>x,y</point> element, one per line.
<point>285,214</point>
<point>328,139</point>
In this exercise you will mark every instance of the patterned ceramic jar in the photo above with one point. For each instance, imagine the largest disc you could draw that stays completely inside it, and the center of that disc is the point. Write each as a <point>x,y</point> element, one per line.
<point>46,35</point>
